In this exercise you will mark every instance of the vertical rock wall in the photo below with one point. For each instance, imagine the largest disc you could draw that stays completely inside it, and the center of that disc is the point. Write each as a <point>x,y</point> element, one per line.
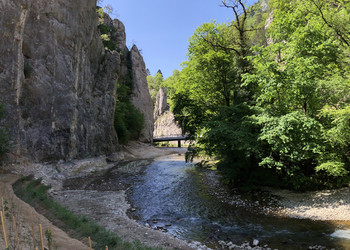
<point>57,82</point>
<point>164,124</point>
<point>141,97</point>
<point>161,103</point>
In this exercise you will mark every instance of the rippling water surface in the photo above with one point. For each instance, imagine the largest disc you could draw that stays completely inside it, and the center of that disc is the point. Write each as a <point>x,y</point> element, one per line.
<point>171,196</point>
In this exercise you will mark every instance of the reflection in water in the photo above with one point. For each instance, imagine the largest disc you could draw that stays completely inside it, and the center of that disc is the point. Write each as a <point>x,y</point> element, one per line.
<point>171,197</point>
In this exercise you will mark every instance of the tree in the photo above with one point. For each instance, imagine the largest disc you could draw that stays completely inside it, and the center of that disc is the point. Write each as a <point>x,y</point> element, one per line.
<point>154,84</point>
<point>160,72</point>
<point>277,113</point>
<point>335,14</point>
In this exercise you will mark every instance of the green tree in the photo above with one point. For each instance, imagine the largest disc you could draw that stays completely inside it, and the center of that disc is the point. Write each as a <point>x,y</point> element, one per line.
<point>303,52</point>
<point>293,145</point>
<point>277,113</point>
<point>303,70</point>
<point>154,84</point>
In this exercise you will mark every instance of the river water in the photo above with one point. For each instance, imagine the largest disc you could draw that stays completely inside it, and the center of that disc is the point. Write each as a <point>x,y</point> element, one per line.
<point>172,197</point>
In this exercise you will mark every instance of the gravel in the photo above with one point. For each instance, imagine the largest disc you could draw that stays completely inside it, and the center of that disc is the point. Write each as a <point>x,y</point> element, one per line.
<point>326,205</point>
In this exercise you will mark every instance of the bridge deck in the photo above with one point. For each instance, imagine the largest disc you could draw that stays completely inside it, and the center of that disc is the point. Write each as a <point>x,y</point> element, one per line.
<point>178,138</point>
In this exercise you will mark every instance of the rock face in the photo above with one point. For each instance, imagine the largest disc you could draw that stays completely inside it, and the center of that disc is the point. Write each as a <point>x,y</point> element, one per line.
<point>264,5</point>
<point>165,124</point>
<point>141,97</point>
<point>161,103</point>
<point>58,83</point>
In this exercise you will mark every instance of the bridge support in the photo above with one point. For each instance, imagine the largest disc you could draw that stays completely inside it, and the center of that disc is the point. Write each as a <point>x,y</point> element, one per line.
<point>179,143</point>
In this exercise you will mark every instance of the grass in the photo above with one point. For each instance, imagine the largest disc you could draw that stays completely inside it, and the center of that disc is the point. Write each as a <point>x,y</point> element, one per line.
<point>35,193</point>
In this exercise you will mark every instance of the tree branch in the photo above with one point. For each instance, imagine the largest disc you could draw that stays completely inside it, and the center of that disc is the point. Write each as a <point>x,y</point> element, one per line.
<point>338,32</point>
<point>226,49</point>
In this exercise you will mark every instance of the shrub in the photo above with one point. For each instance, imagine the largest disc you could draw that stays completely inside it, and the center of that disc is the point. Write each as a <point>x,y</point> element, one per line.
<point>106,31</point>
<point>128,121</point>
<point>294,144</point>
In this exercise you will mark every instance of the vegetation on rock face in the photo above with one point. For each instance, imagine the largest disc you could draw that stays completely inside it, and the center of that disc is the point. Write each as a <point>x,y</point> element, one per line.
<point>154,84</point>
<point>128,120</point>
<point>106,29</point>
<point>271,104</point>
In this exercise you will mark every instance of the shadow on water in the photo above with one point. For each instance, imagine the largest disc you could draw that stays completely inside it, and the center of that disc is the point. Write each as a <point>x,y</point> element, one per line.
<point>170,196</point>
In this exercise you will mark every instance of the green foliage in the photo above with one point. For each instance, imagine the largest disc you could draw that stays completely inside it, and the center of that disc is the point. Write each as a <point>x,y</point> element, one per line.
<point>337,135</point>
<point>272,113</point>
<point>154,85</point>
<point>295,137</point>
<point>231,135</point>
<point>106,29</point>
<point>128,120</point>
<point>213,68</point>
<point>294,144</point>
<point>334,169</point>
<point>48,235</point>
<point>189,114</point>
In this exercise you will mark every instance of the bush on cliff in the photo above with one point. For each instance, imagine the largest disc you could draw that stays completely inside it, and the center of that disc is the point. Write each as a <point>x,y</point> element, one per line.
<point>128,122</point>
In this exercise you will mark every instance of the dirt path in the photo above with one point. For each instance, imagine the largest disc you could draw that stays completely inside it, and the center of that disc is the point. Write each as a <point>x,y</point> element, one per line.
<point>21,212</point>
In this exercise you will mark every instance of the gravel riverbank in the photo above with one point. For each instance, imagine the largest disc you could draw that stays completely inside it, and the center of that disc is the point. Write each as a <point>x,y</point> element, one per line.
<point>327,205</point>
<point>330,205</point>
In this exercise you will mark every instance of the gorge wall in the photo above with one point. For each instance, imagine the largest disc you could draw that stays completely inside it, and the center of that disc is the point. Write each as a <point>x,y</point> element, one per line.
<point>58,83</point>
<point>165,124</point>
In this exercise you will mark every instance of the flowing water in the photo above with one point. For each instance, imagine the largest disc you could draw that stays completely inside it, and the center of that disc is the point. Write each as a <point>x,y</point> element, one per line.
<point>170,196</point>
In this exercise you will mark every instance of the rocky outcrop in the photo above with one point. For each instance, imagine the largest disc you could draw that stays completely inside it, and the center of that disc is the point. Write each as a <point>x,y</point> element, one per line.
<point>58,83</point>
<point>165,124</point>
<point>161,103</point>
<point>141,97</point>
<point>264,5</point>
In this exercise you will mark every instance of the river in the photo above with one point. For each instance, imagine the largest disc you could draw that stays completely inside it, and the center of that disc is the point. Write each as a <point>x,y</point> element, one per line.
<point>173,196</point>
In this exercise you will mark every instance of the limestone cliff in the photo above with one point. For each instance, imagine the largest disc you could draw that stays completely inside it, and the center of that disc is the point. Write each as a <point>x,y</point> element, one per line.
<point>165,124</point>
<point>161,103</point>
<point>58,83</point>
<point>141,97</point>
<point>132,63</point>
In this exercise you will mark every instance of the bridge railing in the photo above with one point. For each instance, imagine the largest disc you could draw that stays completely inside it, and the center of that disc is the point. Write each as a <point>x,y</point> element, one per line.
<point>169,136</point>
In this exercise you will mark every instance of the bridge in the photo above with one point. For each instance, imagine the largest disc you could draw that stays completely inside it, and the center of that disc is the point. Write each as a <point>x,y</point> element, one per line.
<point>177,138</point>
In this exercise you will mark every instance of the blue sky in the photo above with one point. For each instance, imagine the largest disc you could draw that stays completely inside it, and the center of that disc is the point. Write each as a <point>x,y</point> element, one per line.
<point>161,28</point>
